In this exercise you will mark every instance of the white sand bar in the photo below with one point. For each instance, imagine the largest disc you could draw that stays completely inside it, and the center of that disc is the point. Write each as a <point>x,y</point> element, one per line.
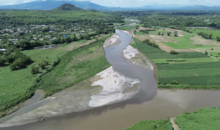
<point>130,52</point>
<point>113,85</point>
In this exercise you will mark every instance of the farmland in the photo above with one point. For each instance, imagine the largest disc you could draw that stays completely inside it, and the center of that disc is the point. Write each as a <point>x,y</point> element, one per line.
<point>184,68</point>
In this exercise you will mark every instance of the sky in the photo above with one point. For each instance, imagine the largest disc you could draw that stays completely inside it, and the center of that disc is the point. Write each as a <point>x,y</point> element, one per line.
<point>131,3</point>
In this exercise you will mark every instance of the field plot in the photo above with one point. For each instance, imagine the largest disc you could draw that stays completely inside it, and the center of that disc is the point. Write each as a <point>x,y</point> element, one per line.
<point>185,68</point>
<point>203,119</point>
<point>215,33</point>
<point>152,125</point>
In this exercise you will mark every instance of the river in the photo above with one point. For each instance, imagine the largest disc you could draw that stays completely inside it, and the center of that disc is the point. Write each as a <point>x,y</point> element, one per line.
<point>148,104</point>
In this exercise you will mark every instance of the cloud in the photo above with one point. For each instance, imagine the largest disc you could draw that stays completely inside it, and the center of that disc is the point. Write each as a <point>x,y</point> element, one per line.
<point>130,3</point>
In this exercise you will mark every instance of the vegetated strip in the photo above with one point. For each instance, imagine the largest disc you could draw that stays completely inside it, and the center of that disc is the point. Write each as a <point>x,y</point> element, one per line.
<point>202,119</point>
<point>74,67</point>
<point>188,66</point>
<point>152,125</point>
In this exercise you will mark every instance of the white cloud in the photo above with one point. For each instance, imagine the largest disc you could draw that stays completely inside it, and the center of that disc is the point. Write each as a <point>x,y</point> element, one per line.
<point>130,3</point>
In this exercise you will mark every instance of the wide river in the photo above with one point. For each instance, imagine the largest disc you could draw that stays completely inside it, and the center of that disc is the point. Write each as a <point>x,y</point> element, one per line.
<point>149,104</point>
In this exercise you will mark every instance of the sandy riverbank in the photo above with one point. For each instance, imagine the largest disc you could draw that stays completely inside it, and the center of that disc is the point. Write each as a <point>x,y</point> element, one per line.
<point>105,88</point>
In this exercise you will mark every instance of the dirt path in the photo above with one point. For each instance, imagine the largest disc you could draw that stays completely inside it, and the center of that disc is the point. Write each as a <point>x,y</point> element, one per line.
<point>175,126</point>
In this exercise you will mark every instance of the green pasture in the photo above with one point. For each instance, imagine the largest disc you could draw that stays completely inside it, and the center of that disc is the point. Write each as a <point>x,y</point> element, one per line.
<point>188,72</point>
<point>183,60</point>
<point>152,125</point>
<point>215,33</point>
<point>185,42</point>
<point>156,32</point>
<point>202,119</point>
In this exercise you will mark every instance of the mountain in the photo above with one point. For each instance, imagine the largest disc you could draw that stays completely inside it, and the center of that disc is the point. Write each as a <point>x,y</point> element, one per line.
<point>51,4</point>
<point>200,7</point>
<point>67,7</point>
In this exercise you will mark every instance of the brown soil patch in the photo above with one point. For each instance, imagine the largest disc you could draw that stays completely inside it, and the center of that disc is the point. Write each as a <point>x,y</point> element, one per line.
<point>200,40</point>
<point>185,50</point>
<point>143,37</point>
<point>158,39</point>
<point>165,47</point>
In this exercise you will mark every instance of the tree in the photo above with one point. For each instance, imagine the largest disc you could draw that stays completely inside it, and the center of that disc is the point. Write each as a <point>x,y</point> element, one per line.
<point>134,31</point>
<point>175,34</point>
<point>206,53</point>
<point>210,36</point>
<point>34,70</point>
<point>137,27</point>
<point>2,61</point>
<point>218,38</point>
<point>158,33</point>
<point>168,33</point>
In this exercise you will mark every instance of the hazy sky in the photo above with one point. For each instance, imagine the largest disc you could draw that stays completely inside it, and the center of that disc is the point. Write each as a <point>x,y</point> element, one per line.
<point>131,3</point>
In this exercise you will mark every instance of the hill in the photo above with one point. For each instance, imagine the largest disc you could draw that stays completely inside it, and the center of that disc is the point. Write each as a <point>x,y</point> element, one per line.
<point>68,7</point>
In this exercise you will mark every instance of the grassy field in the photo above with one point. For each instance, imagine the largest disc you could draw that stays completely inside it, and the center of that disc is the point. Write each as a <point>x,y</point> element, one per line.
<point>209,31</point>
<point>185,42</point>
<point>203,119</point>
<point>75,66</point>
<point>128,27</point>
<point>182,60</point>
<point>152,125</point>
<point>185,68</point>
<point>23,84</point>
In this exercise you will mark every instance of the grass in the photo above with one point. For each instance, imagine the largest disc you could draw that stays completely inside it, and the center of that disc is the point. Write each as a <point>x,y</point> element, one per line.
<point>208,31</point>
<point>202,119</point>
<point>152,125</point>
<point>74,67</point>
<point>182,60</point>
<point>128,27</point>
<point>185,42</point>
<point>156,32</point>
<point>17,86</point>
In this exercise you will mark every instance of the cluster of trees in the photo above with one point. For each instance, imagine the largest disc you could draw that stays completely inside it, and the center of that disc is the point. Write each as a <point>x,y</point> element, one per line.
<point>205,35</point>
<point>160,33</point>
<point>147,41</point>
<point>14,58</point>
<point>42,66</point>
<point>145,31</point>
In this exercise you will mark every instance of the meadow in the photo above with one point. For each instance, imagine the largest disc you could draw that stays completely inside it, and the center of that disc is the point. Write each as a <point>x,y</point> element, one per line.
<point>152,125</point>
<point>202,119</point>
<point>215,33</point>
<point>185,42</point>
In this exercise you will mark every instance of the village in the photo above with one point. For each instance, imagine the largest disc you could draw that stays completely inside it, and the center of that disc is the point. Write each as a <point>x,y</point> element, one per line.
<point>45,34</point>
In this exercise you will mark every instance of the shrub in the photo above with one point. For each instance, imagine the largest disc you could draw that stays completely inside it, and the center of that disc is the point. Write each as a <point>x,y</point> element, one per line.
<point>34,70</point>
<point>206,53</point>
<point>174,82</point>
<point>173,52</point>
<point>2,61</point>
<point>168,33</point>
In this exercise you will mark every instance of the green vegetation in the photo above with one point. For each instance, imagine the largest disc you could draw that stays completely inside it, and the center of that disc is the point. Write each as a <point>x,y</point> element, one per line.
<point>202,119</point>
<point>152,125</point>
<point>17,86</point>
<point>127,27</point>
<point>184,42</point>
<point>174,69</point>
<point>202,31</point>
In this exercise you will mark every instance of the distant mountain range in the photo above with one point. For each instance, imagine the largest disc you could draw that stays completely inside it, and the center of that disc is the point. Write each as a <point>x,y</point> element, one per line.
<point>51,4</point>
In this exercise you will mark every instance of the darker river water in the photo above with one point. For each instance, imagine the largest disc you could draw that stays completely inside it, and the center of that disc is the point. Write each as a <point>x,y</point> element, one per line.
<point>148,104</point>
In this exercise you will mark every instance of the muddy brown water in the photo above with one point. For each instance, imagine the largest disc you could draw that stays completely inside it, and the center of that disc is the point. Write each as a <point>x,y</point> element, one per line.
<point>148,104</point>
<point>167,103</point>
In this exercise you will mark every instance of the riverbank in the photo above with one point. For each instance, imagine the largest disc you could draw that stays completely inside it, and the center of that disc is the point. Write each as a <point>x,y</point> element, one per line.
<point>107,87</point>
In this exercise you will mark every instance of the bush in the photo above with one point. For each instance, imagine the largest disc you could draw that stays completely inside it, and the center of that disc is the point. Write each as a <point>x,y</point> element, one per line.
<point>173,52</point>
<point>34,70</point>
<point>2,61</point>
<point>174,82</point>
<point>168,33</point>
